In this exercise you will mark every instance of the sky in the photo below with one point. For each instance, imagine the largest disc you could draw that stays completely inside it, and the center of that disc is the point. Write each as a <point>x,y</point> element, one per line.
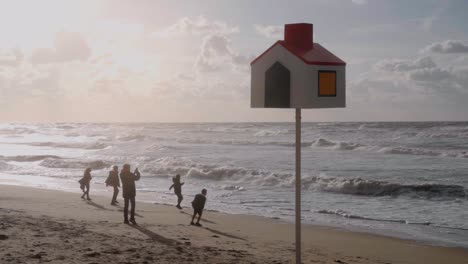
<point>189,61</point>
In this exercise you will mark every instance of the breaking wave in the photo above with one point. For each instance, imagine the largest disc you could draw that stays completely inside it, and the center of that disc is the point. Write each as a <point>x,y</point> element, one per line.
<point>338,145</point>
<point>363,187</point>
<point>333,145</point>
<point>414,151</point>
<point>243,142</point>
<point>91,146</point>
<point>74,164</point>
<point>131,137</point>
<point>321,142</point>
<point>5,166</point>
<point>356,186</point>
<point>29,158</point>
<point>270,133</point>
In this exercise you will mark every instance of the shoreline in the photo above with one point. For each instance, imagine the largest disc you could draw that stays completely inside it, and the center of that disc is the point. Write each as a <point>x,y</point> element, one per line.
<point>143,197</point>
<point>249,235</point>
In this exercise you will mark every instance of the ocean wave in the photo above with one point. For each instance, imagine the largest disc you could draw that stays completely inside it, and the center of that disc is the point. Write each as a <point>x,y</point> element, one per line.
<point>5,166</point>
<point>243,142</point>
<point>333,145</point>
<point>270,133</point>
<point>29,158</point>
<point>454,134</point>
<point>170,166</point>
<point>240,176</point>
<point>136,137</point>
<point>337,145</point>
<point>345,214</point>
<point>399,150</point>
<point>242,128</point>
<point>419,151</point>
<point>358,186</point>
<point>352,216</point>
<point>16,131</point>
<point>234,188</point>
<point>88,145</point>
<point>65,127</point>
<point>74,164</point>
<point>320,142</point>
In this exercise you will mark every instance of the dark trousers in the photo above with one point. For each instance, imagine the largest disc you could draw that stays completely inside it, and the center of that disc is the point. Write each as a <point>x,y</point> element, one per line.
<point>179,198</point>
<point>116,192</point>
<point>132,210</point>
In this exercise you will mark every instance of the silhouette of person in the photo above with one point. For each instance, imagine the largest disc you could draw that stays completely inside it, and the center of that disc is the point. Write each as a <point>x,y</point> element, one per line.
<point>129,191</point>
<point>113,180</point>
<point>177,185</point>
<point>198,205</point>
<point>84,183</point>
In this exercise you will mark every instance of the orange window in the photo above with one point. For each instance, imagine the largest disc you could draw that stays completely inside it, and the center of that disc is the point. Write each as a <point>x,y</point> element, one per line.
<point>327,83</point>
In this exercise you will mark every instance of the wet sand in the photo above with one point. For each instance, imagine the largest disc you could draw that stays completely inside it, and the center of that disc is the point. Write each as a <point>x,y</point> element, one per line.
<point>46,226</point>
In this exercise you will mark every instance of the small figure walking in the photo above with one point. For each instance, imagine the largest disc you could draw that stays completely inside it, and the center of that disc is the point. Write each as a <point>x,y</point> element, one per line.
<point>129,191</point>
<point>177,185</point>
<point>198,205</point>
<point>84,184</point>
<point>113,180</point>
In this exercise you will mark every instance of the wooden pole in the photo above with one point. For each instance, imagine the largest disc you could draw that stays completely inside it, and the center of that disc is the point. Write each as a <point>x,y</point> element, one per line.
<point>298,185</point>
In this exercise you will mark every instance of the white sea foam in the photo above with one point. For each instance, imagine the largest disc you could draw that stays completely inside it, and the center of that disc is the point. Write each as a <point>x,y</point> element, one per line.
<point>337,145</point>
<point>29,158</point>
<point>270,133</point>
<point>353,216</point>
<point>74,164</point>
<point>352,186</point>
<point>4,166</point>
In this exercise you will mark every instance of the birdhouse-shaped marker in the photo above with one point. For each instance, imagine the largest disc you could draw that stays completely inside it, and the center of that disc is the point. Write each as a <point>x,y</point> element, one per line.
<point>298,73</point>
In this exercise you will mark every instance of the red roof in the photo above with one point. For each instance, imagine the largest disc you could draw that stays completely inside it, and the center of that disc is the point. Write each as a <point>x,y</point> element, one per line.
<point>315,55</point>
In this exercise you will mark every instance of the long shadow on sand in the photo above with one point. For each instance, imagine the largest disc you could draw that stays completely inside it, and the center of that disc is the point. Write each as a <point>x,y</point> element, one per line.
<point>154,236</point>
<point>224,234</point>
<point>203,219</point>
<point>98,206</point>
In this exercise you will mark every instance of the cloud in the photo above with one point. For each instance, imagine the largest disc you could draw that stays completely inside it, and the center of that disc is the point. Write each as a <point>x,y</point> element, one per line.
<point>196,26</point>
<point>216,53</point>
<point>25,84</point>
<point>430,75</point>
<point>68,46</point>
<point>274,32</point>
<point>10,57</point>
<point>448,46</point>
<point>395,65</point>
<point>417,79</point>
<point>190,88</point>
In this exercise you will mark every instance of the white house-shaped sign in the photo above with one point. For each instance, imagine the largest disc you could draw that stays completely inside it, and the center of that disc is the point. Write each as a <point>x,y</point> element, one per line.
<point>298,73</point>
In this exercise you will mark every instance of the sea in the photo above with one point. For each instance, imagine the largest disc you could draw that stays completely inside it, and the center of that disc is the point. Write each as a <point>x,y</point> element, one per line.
<point>407,180</point>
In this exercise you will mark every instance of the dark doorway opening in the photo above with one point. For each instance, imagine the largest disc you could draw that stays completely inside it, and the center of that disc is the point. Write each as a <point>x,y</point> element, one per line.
<point>277,86</point>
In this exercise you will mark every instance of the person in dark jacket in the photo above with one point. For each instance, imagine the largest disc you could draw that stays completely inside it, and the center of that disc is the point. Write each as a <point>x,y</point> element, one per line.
<point>84,183</point>
<point>113,180</point>
<point>129,191</point>
<point>177,185</point>
<point>198,205</point>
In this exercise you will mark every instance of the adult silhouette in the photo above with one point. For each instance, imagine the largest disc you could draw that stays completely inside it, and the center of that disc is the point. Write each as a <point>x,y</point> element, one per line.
<point>129,191</point>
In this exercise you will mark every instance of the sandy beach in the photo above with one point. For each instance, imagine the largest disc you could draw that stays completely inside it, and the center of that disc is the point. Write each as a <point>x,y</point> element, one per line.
<point>39,226</point>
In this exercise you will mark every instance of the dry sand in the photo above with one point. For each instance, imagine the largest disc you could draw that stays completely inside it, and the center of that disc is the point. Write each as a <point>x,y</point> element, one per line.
<point>45,226</point>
